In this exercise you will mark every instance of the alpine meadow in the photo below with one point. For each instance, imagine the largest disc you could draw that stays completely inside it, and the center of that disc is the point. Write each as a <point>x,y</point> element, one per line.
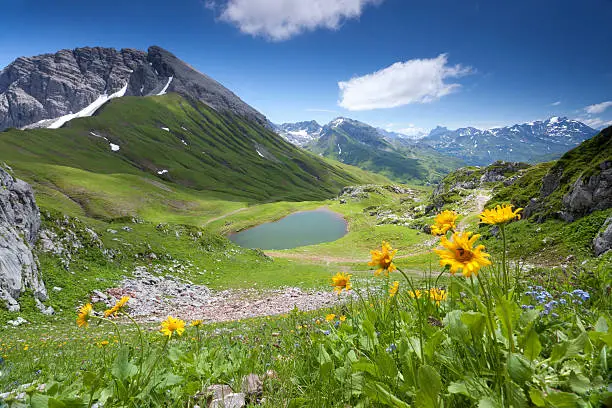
<point>305,203</point>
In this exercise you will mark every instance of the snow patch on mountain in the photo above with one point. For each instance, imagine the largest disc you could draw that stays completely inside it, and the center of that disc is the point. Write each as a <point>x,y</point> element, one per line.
<point>88,110</point>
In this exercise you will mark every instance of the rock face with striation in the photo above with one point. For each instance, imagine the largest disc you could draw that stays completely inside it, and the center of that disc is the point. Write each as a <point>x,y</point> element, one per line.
<point>589,194</point>
<point>45,87</point>
<point>19,226</point>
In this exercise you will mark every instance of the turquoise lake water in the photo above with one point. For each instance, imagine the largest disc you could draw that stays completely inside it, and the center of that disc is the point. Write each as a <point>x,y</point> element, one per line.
<point>298,229</point>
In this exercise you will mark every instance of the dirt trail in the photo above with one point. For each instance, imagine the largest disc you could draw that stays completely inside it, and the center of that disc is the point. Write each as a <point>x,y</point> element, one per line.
<point>225,215</point>
<point>478,204</point>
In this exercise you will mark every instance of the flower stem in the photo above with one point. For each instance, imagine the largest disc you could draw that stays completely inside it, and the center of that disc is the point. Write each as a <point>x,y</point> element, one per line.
<point>416,299</point>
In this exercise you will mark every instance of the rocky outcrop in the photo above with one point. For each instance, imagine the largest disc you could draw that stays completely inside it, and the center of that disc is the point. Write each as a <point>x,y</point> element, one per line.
<point>37,89</point>
<point>603,241</point>
<point>589,194</point>
<point>19,226</point>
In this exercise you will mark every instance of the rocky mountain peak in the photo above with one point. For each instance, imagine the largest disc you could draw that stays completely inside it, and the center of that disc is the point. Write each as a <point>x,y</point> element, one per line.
<point>72,83</point>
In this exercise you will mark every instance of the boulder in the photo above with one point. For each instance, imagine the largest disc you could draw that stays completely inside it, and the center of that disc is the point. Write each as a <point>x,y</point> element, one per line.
<point>19,227</point>
<point>589,194</point>
<point>237,400</point>
<point>603,241</point>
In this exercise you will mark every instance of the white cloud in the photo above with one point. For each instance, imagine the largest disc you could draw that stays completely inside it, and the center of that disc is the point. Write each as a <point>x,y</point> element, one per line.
<point>596,123</point>
<point>598,108</point>
<point>280,20</point>
<point>413,81</point>
<point>556,103</point>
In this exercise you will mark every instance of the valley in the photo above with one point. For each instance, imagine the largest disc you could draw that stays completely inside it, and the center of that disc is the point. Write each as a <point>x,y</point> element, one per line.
<point>303,255</point>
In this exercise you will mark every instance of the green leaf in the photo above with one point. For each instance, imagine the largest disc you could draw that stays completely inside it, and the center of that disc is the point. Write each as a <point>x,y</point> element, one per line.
<point>169,380</point>
<point>562,400</point>
<point>380,393</point>
<point>488,403</point>
<point>458,388</point>
<point>532,346</point>
<point>475,321</point>
<point>602,325</point>
<point>122,368</point>
<point>578,383</point>
<point>537,397</point>
<point>507,312</point>
<point>40,401</point>
<point>430,386</point>
<point>516,396</point>
<point>519,369</point>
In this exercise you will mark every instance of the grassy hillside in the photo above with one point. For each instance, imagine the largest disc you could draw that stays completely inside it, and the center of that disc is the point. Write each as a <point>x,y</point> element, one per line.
<point>168,147</point>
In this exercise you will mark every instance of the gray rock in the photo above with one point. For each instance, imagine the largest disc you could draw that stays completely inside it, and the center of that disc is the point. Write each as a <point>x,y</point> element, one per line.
<point>219,391</point>
<point>589,194</point>
<point>252,386</point>
<point>603,241</point>
<point>19,226</point>
<point>237,400</point>
<point>44,87</point>
<point>18,321</point>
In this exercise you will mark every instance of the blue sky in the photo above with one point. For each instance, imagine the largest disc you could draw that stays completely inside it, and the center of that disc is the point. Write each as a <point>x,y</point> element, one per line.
<point>400,64</point>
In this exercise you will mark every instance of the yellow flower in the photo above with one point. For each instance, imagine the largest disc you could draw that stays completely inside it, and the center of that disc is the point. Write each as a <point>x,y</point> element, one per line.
<point>437,295</point>
<point>119,306</point>
<point>341,282</point>
<point>416,294</point>
<point>461,254</point>
<point>196,323</point>
<point>330,317</point>
<point>393,289</point>
<point>103,343</point>
<point>383,259</point>
<point>500,215</point>
<point>26,347</point>
<point>444,222</point>
<point>84,315</point>
<point>171,325</point>
<point>342,318</point>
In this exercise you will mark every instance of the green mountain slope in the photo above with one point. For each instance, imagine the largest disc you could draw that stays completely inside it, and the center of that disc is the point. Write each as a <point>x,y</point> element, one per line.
<point>168,143</point>
<point>359,144</point>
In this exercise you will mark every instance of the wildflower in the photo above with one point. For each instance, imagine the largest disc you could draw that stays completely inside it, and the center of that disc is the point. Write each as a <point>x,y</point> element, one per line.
<point>85,313</point>
<point>119,306</point>
<point>383,259</point>
<point>500,215</point>
<point>461,254</point>
<point>392,347</point>
<point>342,318</point>
<point>326,332</point>
<point>444,222</point>
<point>393,289</point>
<point>26,347</point>
<point>196,323</point>
<point>415,294</point>
<point>103,343</point>
<point>171,325</point>
<point>341,281</point>
<point>437,295</point>
<point>318,321</point>
<point>581,294</point>
<point>330,317</point>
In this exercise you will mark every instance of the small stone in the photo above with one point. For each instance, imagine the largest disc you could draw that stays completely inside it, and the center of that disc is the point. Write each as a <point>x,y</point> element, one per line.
<point>18,321</point>
<point>219,391</point>
<point>229,401</point>
<point>111,231</point>
<point>252,385</point>
<point>57,289</point>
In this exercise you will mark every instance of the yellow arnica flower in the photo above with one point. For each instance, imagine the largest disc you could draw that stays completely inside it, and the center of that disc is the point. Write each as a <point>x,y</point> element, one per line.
<point>103,343</point>
<point>437,295</point>
<point>500,215</point>
<point>85,312</point>
<point>460,253</point>
<point>196,323</point>
<point>383,259</point>
<point>342,318</point>
<point>394,288</point>
<point>444,222</point>
<point>172,325</point>
<point>341,281</point>
<point>415,294</point>
<point>119,306</point>
<point>330,317</point>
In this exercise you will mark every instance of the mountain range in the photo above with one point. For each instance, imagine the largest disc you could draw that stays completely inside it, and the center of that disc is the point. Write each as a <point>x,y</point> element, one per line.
<point>356,143</point>
<point>528,142</point>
